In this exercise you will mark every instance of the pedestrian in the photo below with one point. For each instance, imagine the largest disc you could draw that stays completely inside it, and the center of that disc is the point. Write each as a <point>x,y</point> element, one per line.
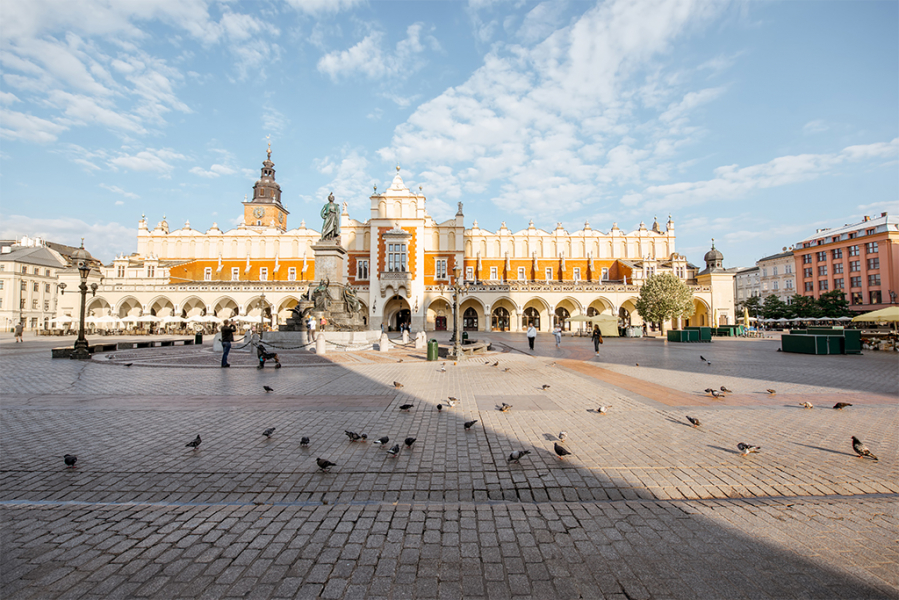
<point>310,324</point>
<point>557,331</point>
<point>532,335</point>
<point>19,333</point>
<point>227,338</point>
<point>263,355</point>
<point>322,323</point>
<point>597,339</point>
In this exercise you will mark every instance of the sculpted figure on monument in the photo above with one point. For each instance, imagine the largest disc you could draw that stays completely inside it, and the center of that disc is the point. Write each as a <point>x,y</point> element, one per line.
<point>322,297</point>
<point>331,219</point>
<point>352,301</point>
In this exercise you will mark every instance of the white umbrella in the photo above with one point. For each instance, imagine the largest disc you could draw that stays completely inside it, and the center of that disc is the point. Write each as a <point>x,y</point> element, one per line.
<point>129,319</point>
<point>63,320</point>
<point>843,319</point>
<point>247,319</point>
<point>204,319</point>
<point>173,319</point>
<point>148,319</point>
<point>92,320</point>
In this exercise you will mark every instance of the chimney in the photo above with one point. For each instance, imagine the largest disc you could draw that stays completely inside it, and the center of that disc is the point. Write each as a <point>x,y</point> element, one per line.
<point>867,218</point>
<point>883,214</point>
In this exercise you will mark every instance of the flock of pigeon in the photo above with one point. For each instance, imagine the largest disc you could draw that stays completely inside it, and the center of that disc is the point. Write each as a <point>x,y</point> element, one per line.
<point>515,456</point>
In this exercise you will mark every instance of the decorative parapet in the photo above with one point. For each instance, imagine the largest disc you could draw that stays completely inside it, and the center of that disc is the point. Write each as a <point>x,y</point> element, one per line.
<point>395,280</point>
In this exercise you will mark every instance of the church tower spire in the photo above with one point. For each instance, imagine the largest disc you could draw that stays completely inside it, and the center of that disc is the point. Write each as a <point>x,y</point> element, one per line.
<point>264,210</point>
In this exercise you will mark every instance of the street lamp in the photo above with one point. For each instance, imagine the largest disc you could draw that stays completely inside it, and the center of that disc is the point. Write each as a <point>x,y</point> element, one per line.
<point>261,314</point>
<point>82,260</point>
<point>458,290</point>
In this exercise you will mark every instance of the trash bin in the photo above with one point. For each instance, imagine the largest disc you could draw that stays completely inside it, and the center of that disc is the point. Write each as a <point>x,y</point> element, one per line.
<point>198,338</point>
<point>464,336</point>
<point>432,350</point>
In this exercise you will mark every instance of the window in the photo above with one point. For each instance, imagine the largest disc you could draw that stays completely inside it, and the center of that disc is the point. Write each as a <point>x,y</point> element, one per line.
<point>765,272</point>
<point>765,287</point>
<point>120,271</point>
<point>22,303</point>
<point>439,269</point>
<point>46,305</point>
<point>806,259</point>
<point>469,273</point>
<point>24,270</point>
<point>822,256</point>
<point>521,274</point>
<point>837,253</point>
<point>207,274</point>
<point>822,270</point>
<point>36,287</point>
<point>549,273</point>
<point>493,274</point>
<point>774,270</point>
<point>24,286</point>
<point>837,268</point>
<point>871,248</point>
<point>1,285</point>
<point>774,286</point>
<point>788,269</point>
<point>853,250</point>
<point>809,286</point>
<point>2,267</point>
<point>857,298</point>
<point>151,270</point>
<point>235,273</point>
<point>37,271</point>
<point>874,279</point>
<point>577,274</point>
<point>263,273</point>
<point>823,285</point>
<point>807,271</point>
<point>1,302</point>
<point>855,265</point>
<point>855,282</point>
<point>34,304</point>
<point>46,288</point>
<point>838,283</point>
<point>873,263</point>
<point>605,274</point>
<point>396,257</point>
<point>292,273</point>
<point>875,296</point>
<point>789,284</point>
<point>853,235</point>
<point>47,273</point>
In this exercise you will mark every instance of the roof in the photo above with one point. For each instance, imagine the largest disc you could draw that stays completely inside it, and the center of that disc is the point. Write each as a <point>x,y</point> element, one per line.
<point>36,255</point>
<point>885,222</point>
<point>781,255</point>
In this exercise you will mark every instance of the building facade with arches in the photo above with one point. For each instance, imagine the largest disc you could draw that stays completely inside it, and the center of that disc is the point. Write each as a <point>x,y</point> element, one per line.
<point>401,262</point>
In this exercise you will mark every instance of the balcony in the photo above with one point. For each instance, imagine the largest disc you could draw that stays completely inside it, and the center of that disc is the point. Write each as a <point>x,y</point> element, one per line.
<point>395,280</point>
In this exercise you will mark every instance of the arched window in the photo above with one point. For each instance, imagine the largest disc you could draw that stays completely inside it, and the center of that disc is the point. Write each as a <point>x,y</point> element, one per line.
<point>470,319</point>
<point>561,319</point>
<point>500,321</point>
<point>531,317</point>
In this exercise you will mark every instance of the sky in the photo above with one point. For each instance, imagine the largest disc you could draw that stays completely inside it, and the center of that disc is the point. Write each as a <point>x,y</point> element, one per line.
<point>753,123</point>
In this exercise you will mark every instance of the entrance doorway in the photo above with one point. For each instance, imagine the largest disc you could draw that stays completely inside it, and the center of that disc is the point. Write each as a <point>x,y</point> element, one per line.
<point>470,319</point>
<point>531,317</point>
<point>500,321</point>
<point>562,317</point>
<point>440,323</point>
<point>402,317</point>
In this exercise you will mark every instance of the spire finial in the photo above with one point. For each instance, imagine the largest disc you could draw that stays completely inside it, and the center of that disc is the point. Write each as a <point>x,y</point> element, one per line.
<point>397,168</point>
<point>269,138</point>
<point>82,243</point>
<point>713,243</point>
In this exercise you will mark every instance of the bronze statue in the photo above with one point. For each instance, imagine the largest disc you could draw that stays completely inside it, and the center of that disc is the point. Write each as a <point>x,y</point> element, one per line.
<point>322,297</point>
<point>352,301</point>
<point>331,216</point>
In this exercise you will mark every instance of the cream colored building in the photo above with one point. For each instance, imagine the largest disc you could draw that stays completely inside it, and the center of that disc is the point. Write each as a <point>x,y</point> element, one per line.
<point>28,283</point>
<point>400,261</point>
<point>777,277</point>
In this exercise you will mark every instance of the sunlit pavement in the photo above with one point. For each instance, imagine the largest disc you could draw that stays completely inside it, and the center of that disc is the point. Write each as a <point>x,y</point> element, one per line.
<point>645,507</point>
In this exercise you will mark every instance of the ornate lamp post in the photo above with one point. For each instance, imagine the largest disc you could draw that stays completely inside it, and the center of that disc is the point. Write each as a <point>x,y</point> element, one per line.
<point>458,290</point>
<point>82,260</point>
<point>261,314</point>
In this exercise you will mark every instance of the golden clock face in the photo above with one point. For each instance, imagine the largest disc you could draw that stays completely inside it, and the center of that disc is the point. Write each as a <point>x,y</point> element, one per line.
<point>280,217</point>
<point>259,213</point>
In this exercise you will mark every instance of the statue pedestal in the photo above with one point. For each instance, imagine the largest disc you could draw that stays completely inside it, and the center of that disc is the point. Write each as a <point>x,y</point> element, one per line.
<point>330,265</point>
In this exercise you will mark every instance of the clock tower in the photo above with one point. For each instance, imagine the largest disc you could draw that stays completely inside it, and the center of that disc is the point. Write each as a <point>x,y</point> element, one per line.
<point>265,210</point>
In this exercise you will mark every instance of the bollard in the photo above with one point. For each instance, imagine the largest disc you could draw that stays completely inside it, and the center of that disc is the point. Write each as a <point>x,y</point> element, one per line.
<point>420,340</point>
<point>405,336</point>
<point>384,344</point>
<point>320,344</point>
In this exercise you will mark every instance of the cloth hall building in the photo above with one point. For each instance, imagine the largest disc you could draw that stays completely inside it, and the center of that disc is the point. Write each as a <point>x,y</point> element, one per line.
<point>400,261</point>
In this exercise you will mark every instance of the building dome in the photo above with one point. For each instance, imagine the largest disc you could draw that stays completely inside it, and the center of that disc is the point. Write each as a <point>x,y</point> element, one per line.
<point>713,258</point>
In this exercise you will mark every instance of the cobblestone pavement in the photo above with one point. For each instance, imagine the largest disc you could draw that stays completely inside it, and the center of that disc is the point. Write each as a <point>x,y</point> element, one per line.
<point>646,506</point>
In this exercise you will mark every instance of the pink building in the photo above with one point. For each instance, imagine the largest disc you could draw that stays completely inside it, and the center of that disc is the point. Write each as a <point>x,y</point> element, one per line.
<point>861,260</point>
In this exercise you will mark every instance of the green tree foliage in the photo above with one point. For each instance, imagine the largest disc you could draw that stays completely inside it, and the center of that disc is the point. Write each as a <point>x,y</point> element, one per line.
<point>774,308</point>
<point>754,305</point>
<point>834,304</point>
<point>663,297</point>
<point>805,307</point>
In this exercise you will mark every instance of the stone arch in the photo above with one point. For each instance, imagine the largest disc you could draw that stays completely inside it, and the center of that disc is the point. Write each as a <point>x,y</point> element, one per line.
<point>565,309</point>
<point>477,314</point>
<point>283,308</point>
<point>225,307</point>
<point>439,314</point>
<point>127,306</point>
<point>413,208</point>
<point>627,312</point>
<point>161,306</point>
<point>396,311</point>
<point>702,314</point>
<point>600,306</point>
<point>98,307</point>
<point>504,315</point>
<point>451,240</point>
<point>538,308</point>
<point>382,209</point>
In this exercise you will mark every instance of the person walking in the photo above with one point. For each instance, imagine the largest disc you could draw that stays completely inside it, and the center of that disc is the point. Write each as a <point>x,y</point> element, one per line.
<point>597,339</point>
<point>557,331</point>
<point>19,332</point>
<point>310,325</point>
<point>227,339</point>
<point>532,335</point>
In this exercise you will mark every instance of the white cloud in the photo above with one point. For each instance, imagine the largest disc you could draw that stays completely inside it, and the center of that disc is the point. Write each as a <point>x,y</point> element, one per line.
<point>214,171</point>
<point>542,20</point>
<point>319,7</point>
<point>102,240</point>
<point>117,190</point>
<point>678,110</point>
<point>350,180</point>
<point>21,126</point>
<point>148,160</point>
<point>816,126</point>
<point>8,98</point>
<point>273,120</point>
<point>369,59</point>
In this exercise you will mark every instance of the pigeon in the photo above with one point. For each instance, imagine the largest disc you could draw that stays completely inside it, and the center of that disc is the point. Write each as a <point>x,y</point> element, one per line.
<point>304,442</point>
<point>505,407</point>
<point>71,459</point>
<point>857,445</point>
<point>638,364</point>
<point>747,448</point>
<point>451,401</point>
<point>770,391</point>
<point>545,387</point>
<point>704,359</point>
<point>806,405</point>
<point>561,450</point>
<point>694,421</point>
<point>128,364</point>
<point>724,389</point>
<point>709,391</point>
<point>397,384</point>
<point>841,405</point>
<point>562,435</point>
<point>517,455</point>
<point>324,465</point>
<point>717,394</point>
<point>496,364</point>
<point>487,363</point>
<point>409,441</point>
<point>394,451</point>
<point>507,369</point>
<point>400,360</point>
<point>439,407</point>
<point>355,437</point>
<point>268,432</point>
<point>407,406</point>
<point>602,409</point>
<point>194,444</point>
<point>381,441</point>
<point>267,389</point>
<point>442,369</point>
<point>469,424</point>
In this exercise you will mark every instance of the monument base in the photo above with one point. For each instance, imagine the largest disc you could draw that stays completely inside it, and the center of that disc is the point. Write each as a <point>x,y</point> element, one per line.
<point>337,341</point>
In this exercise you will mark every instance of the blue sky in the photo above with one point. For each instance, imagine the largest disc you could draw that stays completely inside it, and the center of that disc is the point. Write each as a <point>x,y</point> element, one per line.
<point>751,122</point>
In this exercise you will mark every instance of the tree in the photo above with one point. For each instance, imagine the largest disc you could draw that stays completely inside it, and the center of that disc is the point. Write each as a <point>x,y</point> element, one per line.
<point>753,305</point>
<point>805,307</point>
<point>774,307</point>
<point>834,304</point>
<point>663,297</point>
